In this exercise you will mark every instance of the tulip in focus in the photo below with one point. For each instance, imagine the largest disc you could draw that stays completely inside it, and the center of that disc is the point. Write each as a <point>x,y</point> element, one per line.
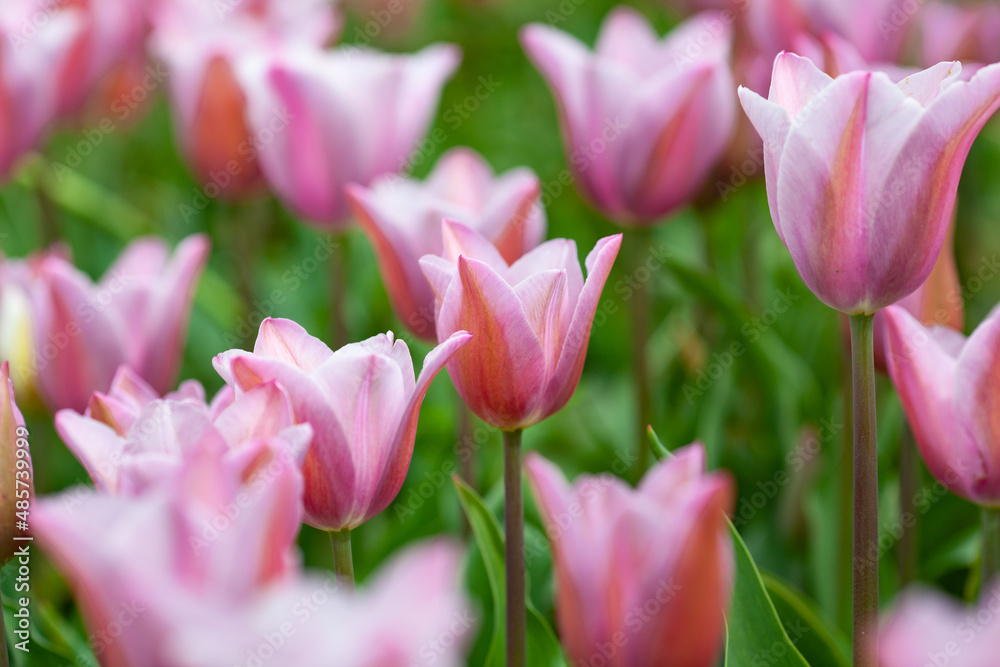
<point>644,119</point>
<point>949,390</point>
<point>346,116</point>
<point>202,45</point>
<point>130,440</point>
<point>362,403</point>
<point>402,218</point>
<point>203,547</point>
<point>862,172</point>
<point>530,321</point>
<point>412,614</point>
<point>928,628</point>
<point>663,547</point>
<point>16,480</point>
<point>136,315</point>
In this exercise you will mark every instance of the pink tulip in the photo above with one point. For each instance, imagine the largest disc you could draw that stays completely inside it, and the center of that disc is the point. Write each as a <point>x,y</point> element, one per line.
<point>862,173</point>
<point>36,40</point>
<point>202,45</point>
<point>413,614</point>
<point>129,440</point>
<point>339,117</point>
<point>877,28</point>
<point>647,572</point>
<point>928,628</point>
<point>530,321</point>
<point>112,32</point>
<point>16,479</point>
<point>948,388</point>
<point>960,32</point>
<point>644,120</point>
<point>402,217</point>
<point>208,544</point>
<point>362,403</point>
<point>136,315</point>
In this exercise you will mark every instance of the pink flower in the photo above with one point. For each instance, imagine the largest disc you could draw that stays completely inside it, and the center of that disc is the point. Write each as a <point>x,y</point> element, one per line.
<point>402,217</point>
<point>130,440</point>
<point>877,28</point>
<point>202,45</point>
<point>413,614</point>
<point>208,544</point>
<point>928,628</point>
<point>949,390</point>
<point>530,321</point>
<point>362,403</point>
<point>339,117</point>
<point>136,315</point>
<point>862,172</point>
<point>16,479</point>
<point>644,120</point>
<point>664,548</point>
<point>36,41</point>
<point>970,33</point>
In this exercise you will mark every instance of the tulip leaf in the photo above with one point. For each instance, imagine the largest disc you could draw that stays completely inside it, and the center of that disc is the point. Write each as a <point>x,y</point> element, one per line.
<point>543,647</point>
<point>660,450</point>
<point>756,635</point>
<point>820,645</point>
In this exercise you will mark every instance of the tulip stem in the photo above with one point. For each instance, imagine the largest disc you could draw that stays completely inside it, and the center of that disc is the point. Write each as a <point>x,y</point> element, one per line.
<point>513,515</point>
<point>641,304</point>
<point>909,516</point>
<point>991,547</point>
<point>865,588</point>
<point>343,562</point>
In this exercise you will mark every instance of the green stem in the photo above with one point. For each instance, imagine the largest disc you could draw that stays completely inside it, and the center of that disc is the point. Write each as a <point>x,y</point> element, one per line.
<point>991,547</point>
<point>513,515</point>
<point>865,588</point>
<point>641,304</point>
<point>908,550</point>
<point>343,562</point>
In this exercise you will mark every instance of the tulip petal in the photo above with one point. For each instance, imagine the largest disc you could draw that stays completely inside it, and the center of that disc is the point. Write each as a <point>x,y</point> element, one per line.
<point>95,445</point>
<point>287,341</point>
<point>261,412</point>
<point>543,300</point>
<point>462,241</point>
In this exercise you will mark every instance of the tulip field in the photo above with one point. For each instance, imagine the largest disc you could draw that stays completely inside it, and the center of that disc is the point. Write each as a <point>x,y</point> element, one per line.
<point>565,333</point>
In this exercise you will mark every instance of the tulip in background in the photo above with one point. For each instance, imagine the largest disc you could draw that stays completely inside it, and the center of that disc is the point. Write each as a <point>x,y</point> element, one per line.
<point>202,45</point>
<point>129,440</point>
<point>968,32</point>
<point>644,120</point>
<point>362,403</point>
<point>136,315</point>
<point>530,323</point>
<point>29,94</point>
<point>949,390</point>
<point>663,547</point>
<point>16,484</point>
<point>402,218</point>
<point>345,116</point>
<point>927,628</point>
<point>861,178</point>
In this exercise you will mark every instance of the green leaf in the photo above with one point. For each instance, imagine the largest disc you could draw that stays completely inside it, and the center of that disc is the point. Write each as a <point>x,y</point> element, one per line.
<point>659,449</point>
<point>755,633</point>
<point>821,646</point>
<point>543,647</point>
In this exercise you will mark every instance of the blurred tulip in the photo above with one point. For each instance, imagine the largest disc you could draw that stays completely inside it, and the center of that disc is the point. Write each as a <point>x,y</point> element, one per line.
<point>205,546</point>
<point>928,628</point>
<point>16,480</point>
<point>130,440</point>
<point>877,28</point>
<point>402,217</point>
<point>530,321</point>
<point>949,390</point>
<point>136,315</point>
<point>329,118</point>
<point>17,343</point>
<point>858,158</point>
<point>663,548</point>
<point>970,33</point>
<point>202,44</point>
<point>414,613</point>
<point>644,120</point>
<point>36,41</point>
<point>112,34</point>
<point>362,403</point>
